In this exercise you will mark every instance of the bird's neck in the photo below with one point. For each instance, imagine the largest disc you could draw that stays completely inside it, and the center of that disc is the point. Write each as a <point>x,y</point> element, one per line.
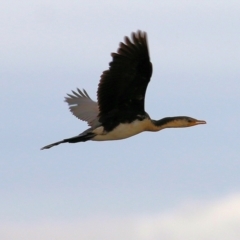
<point>168,122</point>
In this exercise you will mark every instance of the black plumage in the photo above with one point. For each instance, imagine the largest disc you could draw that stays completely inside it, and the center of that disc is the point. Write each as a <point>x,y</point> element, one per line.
<point>123,86</point>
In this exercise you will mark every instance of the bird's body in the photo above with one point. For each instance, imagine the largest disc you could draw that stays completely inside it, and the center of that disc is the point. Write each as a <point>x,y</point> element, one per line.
<point>119,112</point>
<point>123,130</point>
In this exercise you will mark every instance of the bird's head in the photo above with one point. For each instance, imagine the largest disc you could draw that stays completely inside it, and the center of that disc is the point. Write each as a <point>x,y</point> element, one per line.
<point>176,122</point>
<point>186,121</point>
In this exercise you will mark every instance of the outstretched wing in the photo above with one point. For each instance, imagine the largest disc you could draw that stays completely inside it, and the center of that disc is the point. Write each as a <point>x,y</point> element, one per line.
<point>124,85</point>
<point>83,107</point>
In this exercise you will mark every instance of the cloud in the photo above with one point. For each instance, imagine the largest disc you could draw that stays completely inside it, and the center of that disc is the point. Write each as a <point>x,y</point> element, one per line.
<point>219,219</point>
<point>216,220</point>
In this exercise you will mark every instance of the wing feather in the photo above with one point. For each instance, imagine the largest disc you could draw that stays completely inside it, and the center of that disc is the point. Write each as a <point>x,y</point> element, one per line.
<point>83,107</point>
<point>124,85</point>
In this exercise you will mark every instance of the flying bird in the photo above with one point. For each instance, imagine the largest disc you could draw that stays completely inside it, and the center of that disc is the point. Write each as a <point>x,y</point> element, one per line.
<point>119,111</point>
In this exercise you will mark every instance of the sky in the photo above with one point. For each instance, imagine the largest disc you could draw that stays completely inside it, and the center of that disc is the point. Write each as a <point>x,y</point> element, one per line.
<point>177,184</point>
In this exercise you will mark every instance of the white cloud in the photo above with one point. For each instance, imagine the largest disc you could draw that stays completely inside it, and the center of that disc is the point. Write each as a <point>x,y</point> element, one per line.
<point>216,220</point>
<point>199,221</point>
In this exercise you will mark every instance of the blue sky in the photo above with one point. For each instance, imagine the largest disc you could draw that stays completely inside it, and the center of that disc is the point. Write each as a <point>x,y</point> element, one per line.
<point>175,184</point>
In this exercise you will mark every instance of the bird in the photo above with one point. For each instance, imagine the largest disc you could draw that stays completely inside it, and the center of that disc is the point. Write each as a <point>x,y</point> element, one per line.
<point>119,112</point>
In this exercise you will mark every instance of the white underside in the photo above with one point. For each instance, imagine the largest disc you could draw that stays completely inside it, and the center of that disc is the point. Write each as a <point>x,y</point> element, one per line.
<point>124,130</point>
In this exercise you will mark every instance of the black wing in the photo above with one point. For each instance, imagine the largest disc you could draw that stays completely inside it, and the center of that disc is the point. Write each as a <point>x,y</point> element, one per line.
<point>124,85</point>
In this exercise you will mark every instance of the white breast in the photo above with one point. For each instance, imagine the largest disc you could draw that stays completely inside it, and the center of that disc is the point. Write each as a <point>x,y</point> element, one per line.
<point>123,130</point>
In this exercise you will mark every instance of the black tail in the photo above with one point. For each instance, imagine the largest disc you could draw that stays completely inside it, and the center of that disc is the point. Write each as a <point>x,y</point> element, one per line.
<point>79,138</point>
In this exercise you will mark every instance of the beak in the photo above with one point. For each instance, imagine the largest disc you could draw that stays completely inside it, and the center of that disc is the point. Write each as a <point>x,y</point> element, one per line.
<point>200,122</point>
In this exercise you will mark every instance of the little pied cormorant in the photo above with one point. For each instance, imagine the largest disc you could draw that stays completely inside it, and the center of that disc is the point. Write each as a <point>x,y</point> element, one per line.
<point>119,112</point>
